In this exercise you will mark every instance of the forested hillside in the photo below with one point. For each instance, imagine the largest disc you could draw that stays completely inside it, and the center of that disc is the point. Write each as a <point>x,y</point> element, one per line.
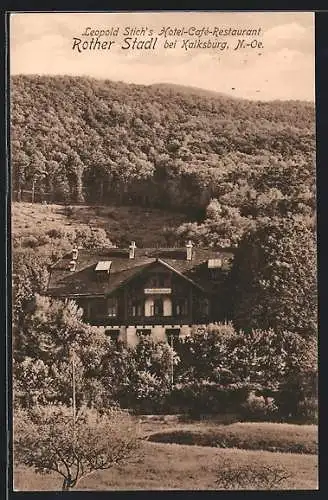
<point>78,139</point>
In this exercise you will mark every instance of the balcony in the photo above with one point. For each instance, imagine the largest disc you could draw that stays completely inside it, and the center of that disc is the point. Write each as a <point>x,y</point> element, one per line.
<point>140,320</point>
<point>159,320</point>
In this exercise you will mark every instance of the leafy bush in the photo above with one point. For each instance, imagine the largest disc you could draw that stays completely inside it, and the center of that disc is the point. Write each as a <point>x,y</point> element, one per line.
<point>259,408</point>
<point>139,377</point>
<point>308,410</point>
<point>34,241</point>
<point>197,398</point>
<point>248,477</point>
<point>51,439</point>
<point>29,242</point>
<point>55,233</point>
<point>91,238</point>
<point>70,211</point>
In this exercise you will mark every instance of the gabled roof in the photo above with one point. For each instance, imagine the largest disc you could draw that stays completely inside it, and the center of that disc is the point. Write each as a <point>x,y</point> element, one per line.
<point>64,282</point>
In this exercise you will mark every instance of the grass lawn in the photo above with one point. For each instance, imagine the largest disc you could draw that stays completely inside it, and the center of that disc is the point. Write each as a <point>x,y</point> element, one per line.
<point>253,436</point>
<point>122,223</point>
<point>172,466</point>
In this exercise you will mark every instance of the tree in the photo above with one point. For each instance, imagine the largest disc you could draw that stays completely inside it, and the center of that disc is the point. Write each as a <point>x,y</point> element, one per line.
<point>20,164</point>
<point>51,330</point>
<point>297,396</point>
<point>282,365</point>
<point>50,439</point>
<point>30,276</point>
<point>273,278</point>
<point>37,170</point>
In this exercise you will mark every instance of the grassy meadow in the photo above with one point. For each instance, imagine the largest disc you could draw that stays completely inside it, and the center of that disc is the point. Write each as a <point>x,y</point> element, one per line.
<point>179,467</point>
<point>121,223</point>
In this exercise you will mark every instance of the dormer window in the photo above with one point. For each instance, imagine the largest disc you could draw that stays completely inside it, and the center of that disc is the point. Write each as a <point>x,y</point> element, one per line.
<point>102,269</point>
<point>103,265</point>
<point>214,266</point>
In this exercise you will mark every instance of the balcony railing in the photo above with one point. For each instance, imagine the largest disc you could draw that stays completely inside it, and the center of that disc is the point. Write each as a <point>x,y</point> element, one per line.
<point>142,320</point>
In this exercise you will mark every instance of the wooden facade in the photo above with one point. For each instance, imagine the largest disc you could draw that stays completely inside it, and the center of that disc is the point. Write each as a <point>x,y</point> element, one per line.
<point>157,296</point>
<point>159,291</point>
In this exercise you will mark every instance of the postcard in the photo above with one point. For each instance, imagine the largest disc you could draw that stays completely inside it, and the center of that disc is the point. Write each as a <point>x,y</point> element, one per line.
<point>163,236</point>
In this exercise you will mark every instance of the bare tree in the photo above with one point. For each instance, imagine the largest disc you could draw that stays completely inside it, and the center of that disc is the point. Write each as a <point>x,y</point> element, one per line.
<point>50,440</point>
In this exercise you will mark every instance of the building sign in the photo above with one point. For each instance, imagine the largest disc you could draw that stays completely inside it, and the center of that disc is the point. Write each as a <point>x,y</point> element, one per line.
<point>162,291</point>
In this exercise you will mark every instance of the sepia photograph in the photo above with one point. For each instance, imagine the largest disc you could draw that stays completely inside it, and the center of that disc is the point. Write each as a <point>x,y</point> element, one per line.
<point>164,256</point>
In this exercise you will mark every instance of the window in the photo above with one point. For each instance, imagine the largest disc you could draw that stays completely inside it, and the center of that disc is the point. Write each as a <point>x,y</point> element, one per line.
<point>204,306</point>
<point>158,280</point>
<point>181,307</point>
<point>214,274</point>
<point>97,307</point>
<point>136,308</point>
<point>161,280</point>
<point>102,270</point>
<point>112,307</point>
<point>158,307</point>
<point>214,266</point>
<point>113,334</point>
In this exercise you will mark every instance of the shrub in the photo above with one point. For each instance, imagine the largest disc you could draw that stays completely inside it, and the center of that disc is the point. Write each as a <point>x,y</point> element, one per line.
<point>55,233</point>
<point>70,211</point>
<point>30,242</point>
<point>43,239</point>
<point>308,410</point>
<point>89,238</point>
<point>51,439</point>
<point>247,477</point>
<point>259,408</point>
<point>198,398</point>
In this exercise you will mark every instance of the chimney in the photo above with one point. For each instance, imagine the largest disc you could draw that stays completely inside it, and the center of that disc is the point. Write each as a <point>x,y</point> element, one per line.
<point>72,265</point>
<point>132,250</point>
<point>189,250</point>
<point>75,253</point>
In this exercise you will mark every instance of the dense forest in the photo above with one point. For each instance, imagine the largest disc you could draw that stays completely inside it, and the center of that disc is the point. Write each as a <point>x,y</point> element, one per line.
<point>82,139</point>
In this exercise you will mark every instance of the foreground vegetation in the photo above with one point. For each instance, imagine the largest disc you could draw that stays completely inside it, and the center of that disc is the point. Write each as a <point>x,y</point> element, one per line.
<point>172,466</point>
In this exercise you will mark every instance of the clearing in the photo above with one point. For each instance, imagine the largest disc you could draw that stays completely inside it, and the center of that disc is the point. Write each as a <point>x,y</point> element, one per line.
<point>121,223</point>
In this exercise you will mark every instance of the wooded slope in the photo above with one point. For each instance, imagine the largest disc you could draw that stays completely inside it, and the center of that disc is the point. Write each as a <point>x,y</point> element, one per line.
<point>82,139</point>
